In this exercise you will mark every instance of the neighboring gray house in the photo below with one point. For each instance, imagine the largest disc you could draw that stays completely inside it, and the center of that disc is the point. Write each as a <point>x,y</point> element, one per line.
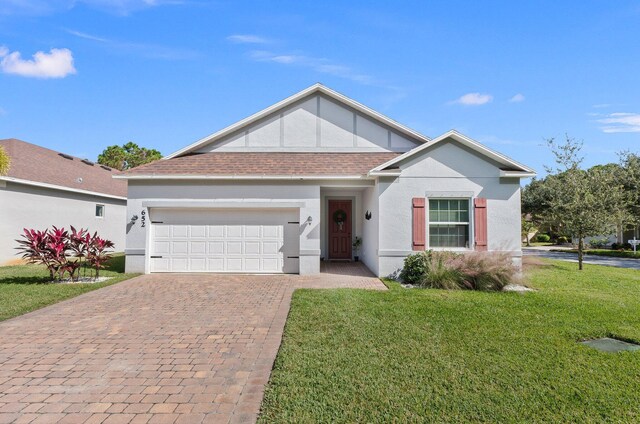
<point>45,188</point>
<point>296,183</point>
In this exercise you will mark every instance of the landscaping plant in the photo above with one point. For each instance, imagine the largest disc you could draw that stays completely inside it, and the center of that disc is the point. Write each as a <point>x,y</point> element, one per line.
<point>452,271</point>
<point>64,252</point>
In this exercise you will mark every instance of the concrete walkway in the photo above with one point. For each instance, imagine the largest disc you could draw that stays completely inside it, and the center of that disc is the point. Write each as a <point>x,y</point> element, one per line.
<point>588,259</point>
<point>163,348</point>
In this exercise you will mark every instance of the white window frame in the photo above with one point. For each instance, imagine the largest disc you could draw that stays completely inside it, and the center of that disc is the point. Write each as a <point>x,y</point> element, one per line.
<point>104,209</point>
<point>468,223</point>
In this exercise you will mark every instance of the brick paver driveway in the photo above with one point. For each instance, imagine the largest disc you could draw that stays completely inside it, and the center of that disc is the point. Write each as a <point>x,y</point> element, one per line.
<point>158,348</point>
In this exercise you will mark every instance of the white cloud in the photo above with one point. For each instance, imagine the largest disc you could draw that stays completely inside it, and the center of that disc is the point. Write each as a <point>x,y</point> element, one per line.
<point>247,39</point>
<point>317,64</point>
<point>517,98</point>
<point>46,7</point>
<point>58,63</point>
<point>473,99</point>
<point>86,36</point>
<point>620,122</point>
<point>149,51</point>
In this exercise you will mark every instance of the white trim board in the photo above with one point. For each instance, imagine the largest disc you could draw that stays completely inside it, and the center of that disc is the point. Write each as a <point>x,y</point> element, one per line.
<point>239,177</point>
<point>62,188</point>
<point>316,88</point>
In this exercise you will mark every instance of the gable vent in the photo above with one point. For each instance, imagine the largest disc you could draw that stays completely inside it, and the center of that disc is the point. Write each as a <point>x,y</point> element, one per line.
<point>64,155</point>
<point>87,161</point>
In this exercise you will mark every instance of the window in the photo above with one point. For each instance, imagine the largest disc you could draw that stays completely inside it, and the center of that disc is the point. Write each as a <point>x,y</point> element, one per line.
<point>449,223</point>
<point>99,211</point>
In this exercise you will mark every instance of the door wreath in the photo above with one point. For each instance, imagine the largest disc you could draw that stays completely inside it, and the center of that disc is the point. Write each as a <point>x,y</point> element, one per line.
<point>339,217</point>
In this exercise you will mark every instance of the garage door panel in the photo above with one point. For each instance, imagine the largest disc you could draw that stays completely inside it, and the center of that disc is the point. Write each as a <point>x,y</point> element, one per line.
<point>270,248</point>
<point>216,231</point>
<point>234,248</point>
<point>160,264</point>
<point>252,247</point>
<point>198,248</point>
<point>197,264</point>
<point>234,231</point>
<point>216,247</point>
<point>179,231</point>
<point>252,231</point>
<point>179,264</point>
<point>215,264</point>
<point>198,231</point>
<point>224,240</point>
<point>179,247</point>
<point>271,231</point>
<point>161,247</point>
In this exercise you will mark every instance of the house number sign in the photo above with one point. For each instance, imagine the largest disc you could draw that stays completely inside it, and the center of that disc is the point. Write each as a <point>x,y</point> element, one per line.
<point>143,218</point>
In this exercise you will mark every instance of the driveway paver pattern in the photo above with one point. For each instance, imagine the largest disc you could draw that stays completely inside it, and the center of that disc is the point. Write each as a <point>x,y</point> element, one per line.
<point>162,348</point>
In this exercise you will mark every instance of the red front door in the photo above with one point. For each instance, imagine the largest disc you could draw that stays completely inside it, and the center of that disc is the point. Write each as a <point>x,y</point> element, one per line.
<point>340,229</point>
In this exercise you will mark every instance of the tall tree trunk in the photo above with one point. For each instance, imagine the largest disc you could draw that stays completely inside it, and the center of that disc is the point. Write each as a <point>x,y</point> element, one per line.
<point>580,252</point>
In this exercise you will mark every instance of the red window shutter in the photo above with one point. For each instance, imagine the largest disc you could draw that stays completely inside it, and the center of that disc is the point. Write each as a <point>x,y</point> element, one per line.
<point>480,223</point>
<point>419,222</point>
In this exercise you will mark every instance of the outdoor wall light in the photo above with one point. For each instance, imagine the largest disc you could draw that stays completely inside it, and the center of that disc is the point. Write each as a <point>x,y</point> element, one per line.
<point>309,220</point>
<point>367,215</point>
<point>134,218</point>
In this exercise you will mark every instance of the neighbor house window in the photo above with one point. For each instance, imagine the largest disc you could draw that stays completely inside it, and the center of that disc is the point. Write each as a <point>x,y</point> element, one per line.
<point>448,222</point>
<point>99,211</point>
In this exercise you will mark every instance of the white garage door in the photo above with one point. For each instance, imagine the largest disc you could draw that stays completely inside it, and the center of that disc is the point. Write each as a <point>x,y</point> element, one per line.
<point>217,240</point>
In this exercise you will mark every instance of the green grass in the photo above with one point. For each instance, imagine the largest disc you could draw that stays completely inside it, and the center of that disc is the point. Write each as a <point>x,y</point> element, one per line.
<point>539,243</point>
<point>24,288</point>
<point>423,355</point>
<point>604,252</point>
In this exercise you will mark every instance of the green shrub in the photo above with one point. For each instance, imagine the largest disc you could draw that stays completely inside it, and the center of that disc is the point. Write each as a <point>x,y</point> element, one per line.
<point>415,267</point>
<point>543,238</point>
<point>562,240</point>
<point>598,243</point>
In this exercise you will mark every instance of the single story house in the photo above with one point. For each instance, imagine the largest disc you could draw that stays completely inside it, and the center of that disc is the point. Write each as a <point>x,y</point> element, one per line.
<point>45,188</point>
<point>299,181</point>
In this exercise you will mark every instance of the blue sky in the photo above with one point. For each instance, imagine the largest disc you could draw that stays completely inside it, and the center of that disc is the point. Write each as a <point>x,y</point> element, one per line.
<point>166,73</point>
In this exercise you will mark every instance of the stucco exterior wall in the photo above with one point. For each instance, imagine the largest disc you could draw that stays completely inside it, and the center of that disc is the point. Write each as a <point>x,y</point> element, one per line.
<point>143,195</point>
<point>370,229</point>
<point>447,170</point>
<point>24,206</point>
<point>316,123</point>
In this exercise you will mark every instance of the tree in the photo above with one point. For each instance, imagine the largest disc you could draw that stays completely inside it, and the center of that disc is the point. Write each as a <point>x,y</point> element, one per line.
<point>5,161</point>
<point>127,156</point>
<point>585,202</point>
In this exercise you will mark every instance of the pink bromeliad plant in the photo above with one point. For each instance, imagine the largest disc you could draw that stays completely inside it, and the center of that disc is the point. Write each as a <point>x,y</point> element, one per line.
<point>64,252</point>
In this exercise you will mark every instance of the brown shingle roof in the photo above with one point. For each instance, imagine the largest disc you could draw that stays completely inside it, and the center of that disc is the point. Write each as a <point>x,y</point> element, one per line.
<point>268,163</point>
<point>41,165</point>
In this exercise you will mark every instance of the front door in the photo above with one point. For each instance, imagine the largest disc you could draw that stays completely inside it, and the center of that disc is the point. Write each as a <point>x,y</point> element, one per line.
<point>340,229</point>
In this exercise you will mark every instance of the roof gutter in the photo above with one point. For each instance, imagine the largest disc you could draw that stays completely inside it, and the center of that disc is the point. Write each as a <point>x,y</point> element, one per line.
<point>516,174</point>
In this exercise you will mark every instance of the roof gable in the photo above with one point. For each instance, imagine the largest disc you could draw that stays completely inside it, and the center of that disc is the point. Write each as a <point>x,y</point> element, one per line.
<point>509,167</point>
<point>315,119</point>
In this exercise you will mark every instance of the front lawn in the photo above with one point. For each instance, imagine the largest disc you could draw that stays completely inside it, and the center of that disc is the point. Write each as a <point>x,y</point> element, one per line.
<point>458,356</point>
<point>24,288</point>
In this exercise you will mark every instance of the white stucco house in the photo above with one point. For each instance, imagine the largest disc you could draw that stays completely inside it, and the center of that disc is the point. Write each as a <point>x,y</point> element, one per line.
<point>297,182</point>
<point>45,188</point>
